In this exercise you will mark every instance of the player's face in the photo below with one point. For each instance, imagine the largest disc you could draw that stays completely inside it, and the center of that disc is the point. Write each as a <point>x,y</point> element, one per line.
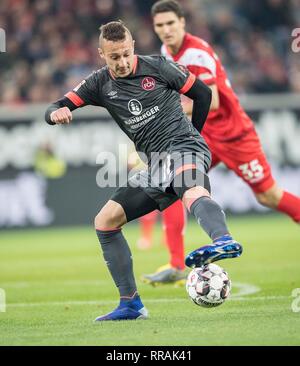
<point>119,56</point>
<point>169,28</point>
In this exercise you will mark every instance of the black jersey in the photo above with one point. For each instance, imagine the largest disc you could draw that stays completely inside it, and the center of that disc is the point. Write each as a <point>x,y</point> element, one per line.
<point>146,104</point>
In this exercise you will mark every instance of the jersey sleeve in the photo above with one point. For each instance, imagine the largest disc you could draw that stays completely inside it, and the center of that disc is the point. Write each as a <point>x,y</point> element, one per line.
<point>178,77</point>
<point>87,92</point>
<point>203,65</point>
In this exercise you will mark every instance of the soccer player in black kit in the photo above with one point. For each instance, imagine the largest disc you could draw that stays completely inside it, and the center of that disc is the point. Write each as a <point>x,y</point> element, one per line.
<point>142,94</point>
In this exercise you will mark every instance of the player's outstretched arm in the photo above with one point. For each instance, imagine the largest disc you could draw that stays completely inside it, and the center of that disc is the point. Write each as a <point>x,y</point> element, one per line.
<point>60,112</point>
<point>201,95</point>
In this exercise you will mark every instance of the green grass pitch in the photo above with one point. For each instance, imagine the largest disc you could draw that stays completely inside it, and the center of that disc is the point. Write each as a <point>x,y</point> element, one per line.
<point>56,283</point>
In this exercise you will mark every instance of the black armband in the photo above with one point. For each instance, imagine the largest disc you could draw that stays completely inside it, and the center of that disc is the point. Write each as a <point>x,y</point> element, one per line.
<point>201,95</point>
<point>63,102</point>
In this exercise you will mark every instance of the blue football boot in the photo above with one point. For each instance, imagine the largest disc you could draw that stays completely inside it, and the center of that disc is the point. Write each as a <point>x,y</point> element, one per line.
<point>222,248</point>
<point>127,310</point>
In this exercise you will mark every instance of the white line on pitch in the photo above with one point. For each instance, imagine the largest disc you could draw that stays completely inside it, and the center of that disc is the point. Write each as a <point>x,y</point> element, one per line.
<point>163,300</point>
<point>244,289</point>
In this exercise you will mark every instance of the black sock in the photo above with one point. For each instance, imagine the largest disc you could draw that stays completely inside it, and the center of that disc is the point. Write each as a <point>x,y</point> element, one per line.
<point>118,258</point>
<point>210,216</point>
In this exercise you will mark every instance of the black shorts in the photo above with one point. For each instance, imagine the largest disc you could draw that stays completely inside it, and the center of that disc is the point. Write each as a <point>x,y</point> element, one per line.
<point>152,189</point>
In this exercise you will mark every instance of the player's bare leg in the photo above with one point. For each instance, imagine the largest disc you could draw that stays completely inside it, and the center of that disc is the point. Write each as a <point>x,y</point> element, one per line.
<point>111,216</point>
<point>271,197</point>
<point>118,258</point>
<point>278,199</point>
<point>212,219</point>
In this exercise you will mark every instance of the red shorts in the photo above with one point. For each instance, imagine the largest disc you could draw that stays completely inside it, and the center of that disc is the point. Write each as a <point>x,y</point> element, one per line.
<point>246,158</point>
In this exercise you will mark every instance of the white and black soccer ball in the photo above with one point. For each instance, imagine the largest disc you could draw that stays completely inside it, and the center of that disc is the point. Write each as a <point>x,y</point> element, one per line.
<point>208,286</point>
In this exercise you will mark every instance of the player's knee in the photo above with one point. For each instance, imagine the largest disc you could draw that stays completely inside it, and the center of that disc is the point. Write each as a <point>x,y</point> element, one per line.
<point>191,185</point>
<point>106,220</point>
<point>111,216</point>
<point>193,194</point>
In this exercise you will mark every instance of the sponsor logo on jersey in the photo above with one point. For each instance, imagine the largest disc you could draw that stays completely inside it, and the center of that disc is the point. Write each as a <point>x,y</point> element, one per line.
<point>148,83</point>
<point>143,119</point>
<point>135,107</point>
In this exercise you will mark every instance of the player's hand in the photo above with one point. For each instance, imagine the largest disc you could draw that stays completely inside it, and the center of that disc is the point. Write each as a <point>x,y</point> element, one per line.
<point>61,116</point>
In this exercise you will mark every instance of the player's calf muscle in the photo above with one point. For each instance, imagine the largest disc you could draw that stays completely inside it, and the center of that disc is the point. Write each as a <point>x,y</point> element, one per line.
<point>271,197</point>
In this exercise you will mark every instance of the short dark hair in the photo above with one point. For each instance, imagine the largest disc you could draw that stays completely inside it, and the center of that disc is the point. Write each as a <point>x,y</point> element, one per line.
<point>164,6</point>
<point>114,31</point>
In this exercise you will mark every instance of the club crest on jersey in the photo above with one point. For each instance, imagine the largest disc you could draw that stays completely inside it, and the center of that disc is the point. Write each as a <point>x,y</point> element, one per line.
<point>148,83</point>
<point>135,107</point>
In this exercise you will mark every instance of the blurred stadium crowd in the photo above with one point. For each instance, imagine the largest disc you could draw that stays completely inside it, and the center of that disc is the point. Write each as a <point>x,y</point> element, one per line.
<point>52,45</point>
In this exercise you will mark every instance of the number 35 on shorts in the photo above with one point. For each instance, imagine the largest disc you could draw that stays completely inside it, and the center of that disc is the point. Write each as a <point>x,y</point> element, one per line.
<point>252,172</point>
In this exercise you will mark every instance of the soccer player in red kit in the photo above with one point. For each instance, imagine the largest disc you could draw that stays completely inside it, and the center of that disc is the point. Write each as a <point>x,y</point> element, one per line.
<point>228,131</point>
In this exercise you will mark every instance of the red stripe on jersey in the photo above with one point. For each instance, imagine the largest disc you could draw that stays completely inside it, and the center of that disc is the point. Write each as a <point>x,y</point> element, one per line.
<point>203,74</point>
<point>187,86</point>
<point>209,82</point>
<point>74,98</point>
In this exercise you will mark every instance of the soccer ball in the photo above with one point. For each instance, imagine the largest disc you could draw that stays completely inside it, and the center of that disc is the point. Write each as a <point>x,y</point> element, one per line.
<point>208,286</point>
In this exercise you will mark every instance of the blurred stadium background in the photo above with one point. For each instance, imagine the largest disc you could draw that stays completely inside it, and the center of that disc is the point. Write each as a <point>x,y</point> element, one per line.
<point>48,174</point>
